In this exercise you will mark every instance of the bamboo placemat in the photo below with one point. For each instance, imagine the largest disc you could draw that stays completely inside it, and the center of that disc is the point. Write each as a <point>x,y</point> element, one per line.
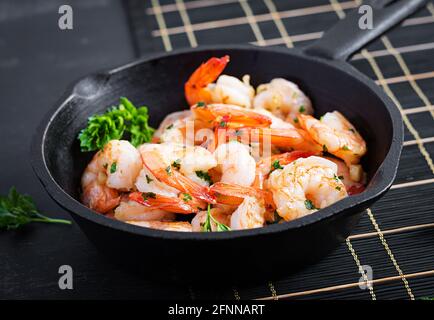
<point>396,236</point>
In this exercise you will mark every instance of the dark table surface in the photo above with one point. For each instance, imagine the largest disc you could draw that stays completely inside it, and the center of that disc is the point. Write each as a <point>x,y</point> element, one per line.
<point>37,62</point>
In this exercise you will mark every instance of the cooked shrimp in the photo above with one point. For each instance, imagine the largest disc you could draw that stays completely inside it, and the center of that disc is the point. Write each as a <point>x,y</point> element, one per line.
<point>155,201</point>
<point>283,98</point>
<point>133,211</point>
<point>164,225</point>
<point>162,159</point>
<point>252,204</point>
<point>266,165</point>
<point>235,163</point>
<point>230,194</point>
<point>196,88</point>
<point>337,136</point>
<point>172,127</point>
<point>112,169</point>
<point>230,90</point>
<point>217,213</point>
<point>250,214</point>
<point>287,139</point>
<point>305,185</point>
<point>229,116</point>
<point>352,177</point>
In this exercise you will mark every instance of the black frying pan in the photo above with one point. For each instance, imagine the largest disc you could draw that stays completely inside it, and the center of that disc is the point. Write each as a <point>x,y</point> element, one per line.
<point>157,81</point>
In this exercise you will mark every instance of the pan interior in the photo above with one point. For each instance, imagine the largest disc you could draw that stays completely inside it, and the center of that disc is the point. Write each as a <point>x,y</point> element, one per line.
<point>159,83</point>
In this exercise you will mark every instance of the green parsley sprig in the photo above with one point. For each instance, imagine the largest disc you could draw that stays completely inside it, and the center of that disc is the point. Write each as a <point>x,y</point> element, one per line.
<point>114,124</point>
<point>207,226</point>
<point>17,210</point>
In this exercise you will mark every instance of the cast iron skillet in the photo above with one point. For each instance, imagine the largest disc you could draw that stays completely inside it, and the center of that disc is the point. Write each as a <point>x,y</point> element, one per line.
<point>157,81</point>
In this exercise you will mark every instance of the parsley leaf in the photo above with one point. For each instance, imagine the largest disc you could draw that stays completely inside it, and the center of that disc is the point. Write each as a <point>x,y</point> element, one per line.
<point>17,209</point>
<point>114,123</point>
<point>302,109</point>
<point>149,179</point>
<point>276,165</point>
<point>148,195</point>
<point>177,163</point>
<point>186,197</point>
<point>207,226</point>
<point>113,167</point>
<point>204,176</point>
<point>309,205</point>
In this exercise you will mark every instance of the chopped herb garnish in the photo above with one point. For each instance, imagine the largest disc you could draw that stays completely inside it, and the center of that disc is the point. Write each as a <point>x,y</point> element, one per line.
<point>18,209</point>
<point>309,205</point>
<point>302,109</point>
<point>186,197</point>
<point>324,148</point>
<point>295,120</point>
<point>338,188</point>
<point>345,148</point>
<point>336,178</point>
<point>113,167</point>
<point>177,163</point>
<point>148,195</point>
<point>352,130</point>
<point>341,177</point>
<point>149,179</point>
<point>207,226</point>
<point>276,165</point>
<point>169,170</point>
<point>204,176</point>
<point>201,104</point>
<point>169,127</point>
<point>222,124</point>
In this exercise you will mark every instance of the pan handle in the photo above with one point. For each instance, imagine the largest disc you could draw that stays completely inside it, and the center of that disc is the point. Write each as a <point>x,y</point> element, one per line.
<point>346,37</point>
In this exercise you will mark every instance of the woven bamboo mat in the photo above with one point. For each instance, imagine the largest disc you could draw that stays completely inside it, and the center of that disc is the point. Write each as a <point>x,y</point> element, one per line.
<point>396,236</point>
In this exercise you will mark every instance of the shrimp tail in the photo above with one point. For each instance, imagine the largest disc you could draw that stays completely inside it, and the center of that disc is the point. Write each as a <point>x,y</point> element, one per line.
<point>208,72</point>
<point>233,194</point>
<point>156,201</point>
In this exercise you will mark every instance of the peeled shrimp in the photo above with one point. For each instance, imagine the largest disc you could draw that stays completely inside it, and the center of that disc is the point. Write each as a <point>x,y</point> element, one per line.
<point>133,211</point>
<point>252,204</point>
<point>266,165</point>
<point>283,98</point>
<point>353,177</point>
<point>337,136</point>
<point>230,90</point>
<point>235,163</point>
<point>112,169</point>
<point>164,225</point>
<point>162,159</point>
<point>250,214</point>
<point>171,129</point>
<point>305,185</point>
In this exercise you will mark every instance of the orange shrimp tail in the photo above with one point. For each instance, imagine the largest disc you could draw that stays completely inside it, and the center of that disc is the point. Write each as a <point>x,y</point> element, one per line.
<point>233,194</point>
<point>284,138</point>
<point>156,201</point>
<point>207,73</point>
<point>99,198</point>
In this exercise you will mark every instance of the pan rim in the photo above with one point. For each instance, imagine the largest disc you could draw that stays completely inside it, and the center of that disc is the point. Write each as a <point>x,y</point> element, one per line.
<point>383,177</point>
